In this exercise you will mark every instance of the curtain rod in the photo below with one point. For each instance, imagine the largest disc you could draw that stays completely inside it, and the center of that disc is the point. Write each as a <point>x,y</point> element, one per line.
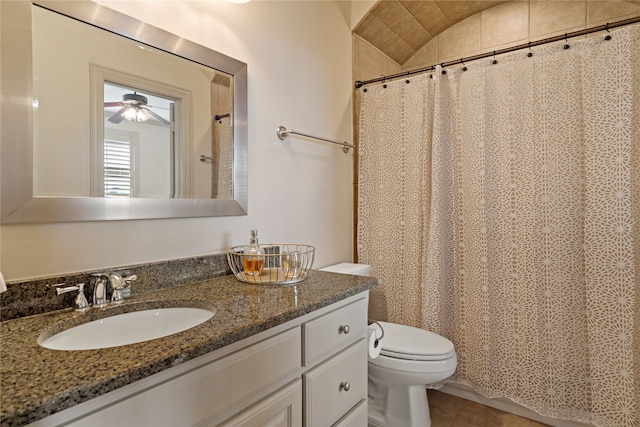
<point>606,27</point>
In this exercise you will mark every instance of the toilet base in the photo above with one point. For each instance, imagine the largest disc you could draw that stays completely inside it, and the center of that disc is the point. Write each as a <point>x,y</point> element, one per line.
<point>398,406</point>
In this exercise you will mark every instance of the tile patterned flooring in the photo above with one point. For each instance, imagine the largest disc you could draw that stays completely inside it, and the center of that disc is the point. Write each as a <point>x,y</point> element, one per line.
<point>452,411</point>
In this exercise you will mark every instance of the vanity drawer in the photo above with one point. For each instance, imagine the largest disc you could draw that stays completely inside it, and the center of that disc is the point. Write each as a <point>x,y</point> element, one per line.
<point>325,335</point>
<point>334,387</point>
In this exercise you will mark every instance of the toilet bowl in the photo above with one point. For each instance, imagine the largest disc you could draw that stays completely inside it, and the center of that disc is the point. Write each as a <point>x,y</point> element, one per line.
<point>410,359</point>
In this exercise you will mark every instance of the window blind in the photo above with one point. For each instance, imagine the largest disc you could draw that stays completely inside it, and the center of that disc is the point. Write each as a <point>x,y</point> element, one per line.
<point>117,169</point>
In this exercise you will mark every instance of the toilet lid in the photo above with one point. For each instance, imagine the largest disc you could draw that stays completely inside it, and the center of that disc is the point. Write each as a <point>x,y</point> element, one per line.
<point>407,342</point>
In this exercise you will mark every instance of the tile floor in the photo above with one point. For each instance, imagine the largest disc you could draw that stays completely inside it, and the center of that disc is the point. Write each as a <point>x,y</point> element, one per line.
<point>452,411</point>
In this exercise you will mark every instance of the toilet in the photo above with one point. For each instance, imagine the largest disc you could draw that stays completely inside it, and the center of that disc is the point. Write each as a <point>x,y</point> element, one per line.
<point>410,359</point>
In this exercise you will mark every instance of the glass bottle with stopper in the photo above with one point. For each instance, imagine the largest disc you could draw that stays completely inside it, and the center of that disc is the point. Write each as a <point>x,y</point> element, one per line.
<point>253,260</point>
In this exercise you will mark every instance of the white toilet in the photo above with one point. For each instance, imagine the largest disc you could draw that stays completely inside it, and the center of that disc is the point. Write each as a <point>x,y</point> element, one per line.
<point>410,359</point>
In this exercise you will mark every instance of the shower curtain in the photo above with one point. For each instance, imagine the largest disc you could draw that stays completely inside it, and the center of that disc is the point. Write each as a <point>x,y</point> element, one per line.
<point>500,207</point>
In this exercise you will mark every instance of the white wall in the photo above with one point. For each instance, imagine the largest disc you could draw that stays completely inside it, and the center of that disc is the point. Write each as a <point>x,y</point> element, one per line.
<point>299,64</point>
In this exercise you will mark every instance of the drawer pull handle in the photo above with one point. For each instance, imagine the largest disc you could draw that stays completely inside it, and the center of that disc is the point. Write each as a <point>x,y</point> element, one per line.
<point>345,386</point>
<point>344,329</point>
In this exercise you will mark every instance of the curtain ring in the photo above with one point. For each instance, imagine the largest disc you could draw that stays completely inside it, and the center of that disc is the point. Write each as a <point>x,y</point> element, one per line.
<point>566,43</point>
<point>608,36</point>
<point>464,68</point>
<point>495,61</point>
<point>530,53</point>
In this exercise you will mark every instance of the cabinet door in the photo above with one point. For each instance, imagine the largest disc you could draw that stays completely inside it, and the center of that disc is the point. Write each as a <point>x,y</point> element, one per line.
<point>281,409</point>
<point>335,386</point>
<point>203,393</point>
<point>357,417</point>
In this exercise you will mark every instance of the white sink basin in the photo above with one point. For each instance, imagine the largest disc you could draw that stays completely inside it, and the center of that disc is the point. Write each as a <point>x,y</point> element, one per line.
<point>127,328</point>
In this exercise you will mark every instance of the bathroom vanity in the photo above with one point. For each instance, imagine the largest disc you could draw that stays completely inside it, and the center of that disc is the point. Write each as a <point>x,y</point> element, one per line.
<point>271,355</point>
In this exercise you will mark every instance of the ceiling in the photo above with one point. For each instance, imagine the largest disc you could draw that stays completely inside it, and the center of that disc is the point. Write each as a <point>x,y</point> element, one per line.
<point>399,28</point>
<point>159,105</point>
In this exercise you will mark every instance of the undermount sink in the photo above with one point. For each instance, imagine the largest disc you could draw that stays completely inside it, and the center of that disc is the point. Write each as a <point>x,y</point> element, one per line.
<point>127,328</point>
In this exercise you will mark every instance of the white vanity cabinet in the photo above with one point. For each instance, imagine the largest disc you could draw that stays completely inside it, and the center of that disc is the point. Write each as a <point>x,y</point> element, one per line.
<point>308,372</point>
<point>335,351</point>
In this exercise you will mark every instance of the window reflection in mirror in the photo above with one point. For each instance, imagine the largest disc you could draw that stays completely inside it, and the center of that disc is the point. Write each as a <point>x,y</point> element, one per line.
<point>138,144</point>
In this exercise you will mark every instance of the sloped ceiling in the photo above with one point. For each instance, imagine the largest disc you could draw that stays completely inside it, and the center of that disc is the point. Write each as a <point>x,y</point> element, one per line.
<point>399,28</point>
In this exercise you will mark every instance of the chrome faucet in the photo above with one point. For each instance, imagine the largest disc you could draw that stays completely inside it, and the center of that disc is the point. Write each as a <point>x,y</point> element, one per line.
<point>100,291</point>
<point>118,283</point>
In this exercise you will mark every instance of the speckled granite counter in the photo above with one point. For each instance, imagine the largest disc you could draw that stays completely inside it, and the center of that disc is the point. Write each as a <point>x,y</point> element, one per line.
<point>36,382</point>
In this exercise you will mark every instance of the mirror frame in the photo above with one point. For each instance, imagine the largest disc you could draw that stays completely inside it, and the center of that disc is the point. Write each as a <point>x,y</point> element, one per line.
<point>18,203</point>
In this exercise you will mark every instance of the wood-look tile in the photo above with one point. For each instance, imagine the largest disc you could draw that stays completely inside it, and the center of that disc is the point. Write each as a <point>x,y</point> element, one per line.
<point>443,407</point>
<point>475,415</point>
<point>452,411</point>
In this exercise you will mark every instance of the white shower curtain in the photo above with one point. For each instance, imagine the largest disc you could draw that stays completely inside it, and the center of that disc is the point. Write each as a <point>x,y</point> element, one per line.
<point>500,207</point>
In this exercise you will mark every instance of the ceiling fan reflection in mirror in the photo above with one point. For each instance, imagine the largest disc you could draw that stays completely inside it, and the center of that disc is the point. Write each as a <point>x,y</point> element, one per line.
<point>134,109</point>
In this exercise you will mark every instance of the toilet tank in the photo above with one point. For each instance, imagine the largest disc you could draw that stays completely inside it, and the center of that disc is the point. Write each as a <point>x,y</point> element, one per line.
<point>349,268</point>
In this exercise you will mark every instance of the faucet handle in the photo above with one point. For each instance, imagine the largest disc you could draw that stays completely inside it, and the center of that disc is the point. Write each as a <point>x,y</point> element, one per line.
<point>123,282</point>
<point>119,285</point>
<point>81,300</point>
<point>127,280</point>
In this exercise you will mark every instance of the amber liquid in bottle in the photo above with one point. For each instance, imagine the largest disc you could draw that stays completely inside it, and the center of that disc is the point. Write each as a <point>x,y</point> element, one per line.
<point>253,259</point>
<point>253,265</point>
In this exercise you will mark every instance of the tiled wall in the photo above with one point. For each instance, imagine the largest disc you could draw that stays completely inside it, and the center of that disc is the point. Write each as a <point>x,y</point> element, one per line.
<point>507,24</point>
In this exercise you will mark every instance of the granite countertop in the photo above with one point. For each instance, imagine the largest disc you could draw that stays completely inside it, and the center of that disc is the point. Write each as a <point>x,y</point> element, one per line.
<point>37,382</point>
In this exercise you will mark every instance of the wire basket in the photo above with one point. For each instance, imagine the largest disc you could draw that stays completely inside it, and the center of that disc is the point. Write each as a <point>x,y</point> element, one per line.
<point>280,264</point>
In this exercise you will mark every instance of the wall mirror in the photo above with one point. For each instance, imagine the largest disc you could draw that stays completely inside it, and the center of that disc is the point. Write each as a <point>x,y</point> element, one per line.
<point>119,120</point>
